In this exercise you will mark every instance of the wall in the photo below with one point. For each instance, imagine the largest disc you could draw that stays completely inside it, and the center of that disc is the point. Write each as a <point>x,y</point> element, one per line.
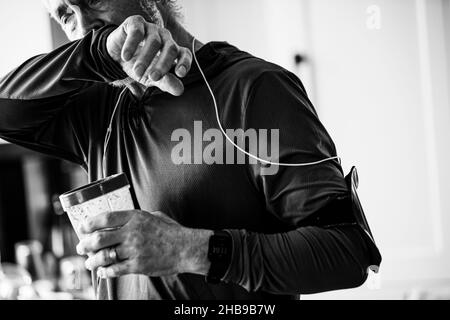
<point>257,26</point>
<point>378,74</point>
<point>383,94</point>
<point>24,32</point>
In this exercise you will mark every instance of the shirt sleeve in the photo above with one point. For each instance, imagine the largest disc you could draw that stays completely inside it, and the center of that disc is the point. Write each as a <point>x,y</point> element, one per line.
<point>48,103</point>
<point>306,258</point>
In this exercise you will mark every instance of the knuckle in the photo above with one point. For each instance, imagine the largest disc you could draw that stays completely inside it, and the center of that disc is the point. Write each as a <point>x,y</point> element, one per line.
<point>135,265</point>
<point>135,24</point>
<point>137,30</point>
<point>152,27</point>
<point>184,54</point>
<point>132,253</point>
<point>88,226</point>
<point>129,243</point>
<point>118,270</point>
<point>140,65</point>
<point>187,54</point>
<point>98,239</point>
<point>104,256</point>
<point>107,219</point>
<point>120,253</point>
<point>165,33</point>
<point>135,19</point>
<point>173,50</point>
<point>127,240</point>
<point>158,69</point>
<point>135,241</point>
<point>155,41</point>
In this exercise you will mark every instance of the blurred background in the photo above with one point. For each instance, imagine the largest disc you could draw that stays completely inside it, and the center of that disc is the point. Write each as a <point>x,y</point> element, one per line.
<point>378,73</point>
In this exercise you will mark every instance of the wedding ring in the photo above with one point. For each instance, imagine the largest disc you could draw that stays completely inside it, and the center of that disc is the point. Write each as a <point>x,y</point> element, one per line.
<point>113,256</point>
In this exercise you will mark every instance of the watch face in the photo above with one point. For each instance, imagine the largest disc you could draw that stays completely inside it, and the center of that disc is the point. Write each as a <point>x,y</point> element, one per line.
<point>219,250</point>
<point>220,247</point>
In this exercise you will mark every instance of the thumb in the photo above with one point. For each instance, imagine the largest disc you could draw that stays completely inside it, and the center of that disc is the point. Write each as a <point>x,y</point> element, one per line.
<point>169,83</point>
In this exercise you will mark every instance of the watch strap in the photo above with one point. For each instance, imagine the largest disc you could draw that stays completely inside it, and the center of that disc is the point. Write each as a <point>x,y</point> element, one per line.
<point>219,254</point>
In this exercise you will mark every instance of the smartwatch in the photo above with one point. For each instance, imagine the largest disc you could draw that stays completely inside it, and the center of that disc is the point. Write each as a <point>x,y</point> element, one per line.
<point>219,254</point>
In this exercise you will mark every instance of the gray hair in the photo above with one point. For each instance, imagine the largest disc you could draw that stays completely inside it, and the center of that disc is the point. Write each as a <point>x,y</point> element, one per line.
<point>169,8</point>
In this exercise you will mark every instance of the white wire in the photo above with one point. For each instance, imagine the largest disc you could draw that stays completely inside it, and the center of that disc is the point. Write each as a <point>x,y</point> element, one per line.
<point>267,162</point>
<point>109,131</point>
<point>238,147</point>
<point>105,149</point>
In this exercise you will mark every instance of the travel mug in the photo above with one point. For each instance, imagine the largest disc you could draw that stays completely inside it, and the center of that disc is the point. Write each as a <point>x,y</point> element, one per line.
<point>106,195</point>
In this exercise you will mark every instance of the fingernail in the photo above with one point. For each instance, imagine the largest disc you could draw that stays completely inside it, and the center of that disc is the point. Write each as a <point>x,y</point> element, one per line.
<point>101,273</point>
<point>79,250</point>
<point>155,76</point>
<point>109,273</point>
<point>83,228</point>
<point>127,55</point>
<point>182,71</point>
<point>139,71</point>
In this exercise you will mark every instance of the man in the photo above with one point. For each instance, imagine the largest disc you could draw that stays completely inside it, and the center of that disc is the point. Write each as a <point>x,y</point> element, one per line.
<point>62,103</point>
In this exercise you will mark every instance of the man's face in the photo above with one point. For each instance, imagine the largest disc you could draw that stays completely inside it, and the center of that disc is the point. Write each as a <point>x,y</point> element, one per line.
<point>78,17</point>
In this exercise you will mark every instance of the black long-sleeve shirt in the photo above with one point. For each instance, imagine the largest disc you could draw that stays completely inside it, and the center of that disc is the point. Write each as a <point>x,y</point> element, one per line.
<point>61,103</point>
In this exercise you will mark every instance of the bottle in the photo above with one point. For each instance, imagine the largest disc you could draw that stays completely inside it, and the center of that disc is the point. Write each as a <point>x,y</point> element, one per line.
<point>63,237</point>
<point>62,242</point>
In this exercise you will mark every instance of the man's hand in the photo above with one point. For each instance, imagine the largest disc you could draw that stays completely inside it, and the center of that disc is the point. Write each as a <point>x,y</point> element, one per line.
<point>148,244</point>
<point>147,53</point>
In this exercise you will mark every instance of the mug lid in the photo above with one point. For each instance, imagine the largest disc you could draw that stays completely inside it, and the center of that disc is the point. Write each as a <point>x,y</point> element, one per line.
<point>93,190</point>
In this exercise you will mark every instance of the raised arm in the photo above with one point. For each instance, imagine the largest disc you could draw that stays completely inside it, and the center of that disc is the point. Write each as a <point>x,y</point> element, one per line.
<point>48,102</point>
<point>44,101</point>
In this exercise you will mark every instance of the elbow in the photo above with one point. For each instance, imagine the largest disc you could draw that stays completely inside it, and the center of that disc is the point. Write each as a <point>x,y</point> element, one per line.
<point>349,276</point>
<point>343,263</point>
<point>357,277</point>
<point>355,264</point>
<point>362,256</point>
